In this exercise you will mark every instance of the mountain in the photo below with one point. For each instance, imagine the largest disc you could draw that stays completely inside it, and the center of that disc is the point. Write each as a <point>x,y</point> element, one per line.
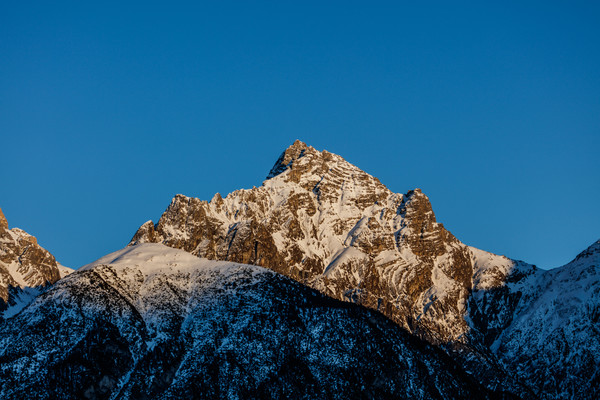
<point>324,222</point>
<point>554,339</point>
<point>25,267</point>
<point>331,226</point>
<point>154,322</point>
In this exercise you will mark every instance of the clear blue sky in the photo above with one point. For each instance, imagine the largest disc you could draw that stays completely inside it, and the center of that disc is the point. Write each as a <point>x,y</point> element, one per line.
<point>108,109</point>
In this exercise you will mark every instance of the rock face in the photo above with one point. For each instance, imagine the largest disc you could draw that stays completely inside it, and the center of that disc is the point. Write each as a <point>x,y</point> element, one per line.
<point>24,266</point>
<point>331,226</point>
<point>154,322</point>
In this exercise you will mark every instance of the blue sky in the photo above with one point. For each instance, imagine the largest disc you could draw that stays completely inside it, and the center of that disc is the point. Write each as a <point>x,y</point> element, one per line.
<point>107,110</point>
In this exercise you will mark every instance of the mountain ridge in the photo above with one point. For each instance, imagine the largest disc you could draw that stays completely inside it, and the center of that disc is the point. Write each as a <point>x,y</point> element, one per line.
<point>327,224</point>
<point>149,321</point>
<point>517,330</point>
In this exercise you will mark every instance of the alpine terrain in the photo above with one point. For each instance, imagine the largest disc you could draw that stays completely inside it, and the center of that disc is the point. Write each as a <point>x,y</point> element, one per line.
<point>25,267</point>
<point>331,226</point>
<point>320,283</point>
<point>152,322</point>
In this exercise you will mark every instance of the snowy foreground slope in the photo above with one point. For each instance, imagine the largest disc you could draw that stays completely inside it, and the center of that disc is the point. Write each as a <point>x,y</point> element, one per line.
<point>331,226</point>
<point>150,321</point>
<point>25,268</point>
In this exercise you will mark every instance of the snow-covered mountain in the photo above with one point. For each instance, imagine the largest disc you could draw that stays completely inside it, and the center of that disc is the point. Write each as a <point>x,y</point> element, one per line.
<point>25,267</point>
<point>325,223</point>
<point>154,322</point>
<point>554,338</point>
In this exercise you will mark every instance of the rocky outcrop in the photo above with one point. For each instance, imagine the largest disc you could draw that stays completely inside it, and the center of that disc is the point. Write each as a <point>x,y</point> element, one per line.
<point>327,224</point>
<point>23,264</point>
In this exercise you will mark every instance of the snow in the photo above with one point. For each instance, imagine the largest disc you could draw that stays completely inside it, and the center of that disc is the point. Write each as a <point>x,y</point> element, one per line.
<point>64,271</point>
<point>14,269</point>
<point>156,259</point>
<point>506,295</point>
<point>22,300</point>
<point>345,256</point>
<point>442,284</point>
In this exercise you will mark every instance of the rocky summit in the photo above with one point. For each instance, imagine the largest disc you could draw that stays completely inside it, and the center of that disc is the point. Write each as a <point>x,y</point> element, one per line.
<point>329,225</point>
<point>25,267</point>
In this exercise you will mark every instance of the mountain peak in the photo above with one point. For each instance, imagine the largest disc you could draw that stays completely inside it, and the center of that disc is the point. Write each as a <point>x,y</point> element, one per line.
<point>23,264</point>
<point>288,157</point>
<point>3,221</point>
<point>324,222</point>
<point>298,144</point>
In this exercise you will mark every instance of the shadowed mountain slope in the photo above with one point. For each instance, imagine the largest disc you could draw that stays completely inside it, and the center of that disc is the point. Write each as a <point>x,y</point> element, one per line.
<point>149,321</point>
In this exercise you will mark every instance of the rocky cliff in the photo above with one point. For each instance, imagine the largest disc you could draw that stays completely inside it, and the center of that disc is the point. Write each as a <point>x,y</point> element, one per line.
<point>327,224</point>
<point>24,267</point>
<point>331,226</point>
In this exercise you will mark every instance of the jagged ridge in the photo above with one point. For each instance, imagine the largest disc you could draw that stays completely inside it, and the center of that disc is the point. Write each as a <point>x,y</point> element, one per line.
<point>323,222</point>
